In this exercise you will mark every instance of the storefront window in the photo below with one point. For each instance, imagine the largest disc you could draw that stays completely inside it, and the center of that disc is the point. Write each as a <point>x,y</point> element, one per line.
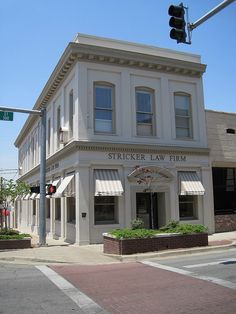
<point>70,209</point>
<point>105,210</point>
<point>47,207</point>
<point>187,207</point>
<point>57,209</point>
<point>224,187</point>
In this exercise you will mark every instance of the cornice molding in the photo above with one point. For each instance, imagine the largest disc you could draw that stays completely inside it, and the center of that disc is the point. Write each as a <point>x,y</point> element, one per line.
<point>77,52</point>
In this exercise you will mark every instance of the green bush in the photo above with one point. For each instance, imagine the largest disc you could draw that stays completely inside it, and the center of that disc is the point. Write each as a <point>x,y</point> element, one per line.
<point>12,234</point>
<point>133,234</point>
<point>9,232</point>
<point>172,227</point>
<point>137,224</point>
<point>175,227</point>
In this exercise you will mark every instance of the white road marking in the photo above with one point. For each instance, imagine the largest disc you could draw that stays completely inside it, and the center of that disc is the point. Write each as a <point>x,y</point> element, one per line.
<point>217,281</point>
<point>176,270</point>
<point>211,263</point>
<point>86,304</point>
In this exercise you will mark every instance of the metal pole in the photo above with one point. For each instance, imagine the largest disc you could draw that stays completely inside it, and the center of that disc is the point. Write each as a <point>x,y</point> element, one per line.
<point>42,200</point>
<point>217,9</point>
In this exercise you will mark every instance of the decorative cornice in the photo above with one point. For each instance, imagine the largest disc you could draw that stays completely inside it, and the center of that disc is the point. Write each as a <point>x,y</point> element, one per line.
<point>103,55</point>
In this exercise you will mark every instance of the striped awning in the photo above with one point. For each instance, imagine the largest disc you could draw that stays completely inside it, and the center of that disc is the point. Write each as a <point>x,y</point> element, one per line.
<point>107,183</point>
<point>190,184</point>
<point>60,191</point>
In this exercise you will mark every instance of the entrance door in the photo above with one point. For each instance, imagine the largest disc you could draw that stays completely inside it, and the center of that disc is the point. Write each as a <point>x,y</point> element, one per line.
<point>146,209</point>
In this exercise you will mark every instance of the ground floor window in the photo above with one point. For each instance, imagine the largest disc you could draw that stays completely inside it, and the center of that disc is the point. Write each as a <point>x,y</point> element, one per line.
<point>57,209</point>
<point>70,209</point>
<point>187,207</point>
<point>34,207</point>
<point>224,187</point>
<point>47,208</point>
<point>105,210</point>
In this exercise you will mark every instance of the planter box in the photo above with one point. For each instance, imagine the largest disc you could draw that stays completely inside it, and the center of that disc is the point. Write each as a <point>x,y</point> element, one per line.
<point>161,242</point>
<point>15,243</point>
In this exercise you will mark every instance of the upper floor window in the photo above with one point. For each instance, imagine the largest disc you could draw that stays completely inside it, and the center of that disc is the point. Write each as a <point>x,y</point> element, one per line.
<point>58,125</point>
<point>104,108</point>
<point>183,115</point>
<point>71,113</point>
<point>145,112</point>
<point>49,136</point>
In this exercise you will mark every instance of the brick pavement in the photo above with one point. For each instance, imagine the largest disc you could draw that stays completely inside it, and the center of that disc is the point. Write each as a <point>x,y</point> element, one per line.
<point>134,288</point>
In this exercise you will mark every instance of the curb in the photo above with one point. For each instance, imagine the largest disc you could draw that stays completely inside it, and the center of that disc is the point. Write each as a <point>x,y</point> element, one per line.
<point>170,253</point>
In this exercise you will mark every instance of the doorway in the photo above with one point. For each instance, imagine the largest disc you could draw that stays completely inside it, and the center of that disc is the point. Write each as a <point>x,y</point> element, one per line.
<point>146,209</point>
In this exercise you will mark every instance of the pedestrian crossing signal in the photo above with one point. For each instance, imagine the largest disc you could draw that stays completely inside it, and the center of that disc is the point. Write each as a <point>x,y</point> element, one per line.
<point>51,189</point>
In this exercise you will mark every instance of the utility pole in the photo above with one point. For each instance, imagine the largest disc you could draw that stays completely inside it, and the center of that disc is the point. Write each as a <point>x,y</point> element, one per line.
<point>42,216</point>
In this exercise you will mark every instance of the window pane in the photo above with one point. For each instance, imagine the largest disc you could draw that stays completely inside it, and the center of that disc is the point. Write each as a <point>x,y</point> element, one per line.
<point>186,207</point>
<point>144,130</point>
<point>103,114</point>
<point>103,126</point>
<point>105,210</point>
<point>144,101</point>
<point>144,118</point>
<point>182,122</point>
<point>103,96</point>
<point>180,133</point>
<point>182,105</point>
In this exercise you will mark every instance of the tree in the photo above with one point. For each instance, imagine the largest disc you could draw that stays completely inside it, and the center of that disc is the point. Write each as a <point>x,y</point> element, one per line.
<point>9,190</point>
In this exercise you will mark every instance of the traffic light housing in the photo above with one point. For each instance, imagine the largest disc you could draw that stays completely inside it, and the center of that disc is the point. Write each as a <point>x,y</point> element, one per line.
<point>51,189</point>
<point>177,22</point>
<point>35,189</point>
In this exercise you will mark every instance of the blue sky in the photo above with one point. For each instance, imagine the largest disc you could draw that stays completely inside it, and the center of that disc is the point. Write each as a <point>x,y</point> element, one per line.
<point>34,34</point>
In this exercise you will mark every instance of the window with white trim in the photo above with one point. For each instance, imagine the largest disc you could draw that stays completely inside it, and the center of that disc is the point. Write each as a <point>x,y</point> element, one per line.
<point>105,210</point>
<point>71,113</point>
<point>183,115</point>
<point>144,112</point>
<point>58,125</point>
<point>187,207</point>
<point>104,116</point>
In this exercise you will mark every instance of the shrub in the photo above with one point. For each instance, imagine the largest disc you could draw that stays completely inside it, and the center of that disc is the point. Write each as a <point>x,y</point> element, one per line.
<point>133,233</point>
<point>137,224</point>
<point>175,227</point>
<point>9,232</point>
<point>12,234</point>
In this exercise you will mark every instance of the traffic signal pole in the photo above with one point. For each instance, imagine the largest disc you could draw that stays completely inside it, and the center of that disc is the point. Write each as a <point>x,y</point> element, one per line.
<point>214,11</point>
<point>42,216</point>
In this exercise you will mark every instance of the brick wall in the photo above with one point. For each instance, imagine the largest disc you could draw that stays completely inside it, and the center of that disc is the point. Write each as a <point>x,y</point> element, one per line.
<point>224,223</point>
<point>15,244</point>
<point>132,246</point>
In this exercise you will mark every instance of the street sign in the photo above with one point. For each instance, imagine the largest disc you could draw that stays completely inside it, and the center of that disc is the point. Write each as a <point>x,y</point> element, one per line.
<point>6,116</point>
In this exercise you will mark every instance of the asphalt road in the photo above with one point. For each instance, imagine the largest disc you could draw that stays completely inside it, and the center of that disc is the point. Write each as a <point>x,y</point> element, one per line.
<point>195,284</point>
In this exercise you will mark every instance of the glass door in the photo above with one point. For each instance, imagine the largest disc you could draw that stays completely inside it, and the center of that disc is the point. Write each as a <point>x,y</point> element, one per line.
<point>146,209</point>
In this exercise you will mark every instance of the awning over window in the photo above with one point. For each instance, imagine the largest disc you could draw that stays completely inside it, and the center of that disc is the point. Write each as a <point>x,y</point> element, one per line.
<point>190,184</point>
<point>63,185</point>
<point>26,197</point>
<point>107,183</point>
<point>33,196</point>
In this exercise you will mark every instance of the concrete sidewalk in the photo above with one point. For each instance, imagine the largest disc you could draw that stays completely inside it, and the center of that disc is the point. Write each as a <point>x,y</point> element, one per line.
<point>57,251</point>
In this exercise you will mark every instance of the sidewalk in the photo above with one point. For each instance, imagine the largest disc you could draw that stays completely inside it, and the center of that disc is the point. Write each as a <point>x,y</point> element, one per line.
<point>57,251</point>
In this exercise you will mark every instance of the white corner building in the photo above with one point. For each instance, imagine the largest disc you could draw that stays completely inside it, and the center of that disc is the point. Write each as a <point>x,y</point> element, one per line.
<point>126,138</point>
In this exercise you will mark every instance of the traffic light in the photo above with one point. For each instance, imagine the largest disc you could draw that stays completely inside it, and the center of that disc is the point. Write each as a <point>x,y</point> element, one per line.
<point>51,189</point>
<point>177,22</point>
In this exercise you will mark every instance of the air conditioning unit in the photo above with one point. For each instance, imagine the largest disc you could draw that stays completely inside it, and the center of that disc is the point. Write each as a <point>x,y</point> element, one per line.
<point>63,135</point>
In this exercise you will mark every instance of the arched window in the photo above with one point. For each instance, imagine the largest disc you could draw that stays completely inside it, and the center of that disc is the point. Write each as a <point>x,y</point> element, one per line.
<point>183,115</point>
<point>144,98</point>
<point>104,107</point>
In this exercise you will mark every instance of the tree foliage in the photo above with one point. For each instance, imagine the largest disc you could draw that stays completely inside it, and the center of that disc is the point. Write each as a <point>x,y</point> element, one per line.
<point>9,190</point>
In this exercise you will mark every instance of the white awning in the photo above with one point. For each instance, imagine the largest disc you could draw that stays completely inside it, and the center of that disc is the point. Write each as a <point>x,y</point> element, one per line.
<point>190,184</point>
<point>26,197</point>
<point>37,197</point>
<point>107,183</point>
<point>33,196</point>
<point>63,185</point>
<point>17,198</point>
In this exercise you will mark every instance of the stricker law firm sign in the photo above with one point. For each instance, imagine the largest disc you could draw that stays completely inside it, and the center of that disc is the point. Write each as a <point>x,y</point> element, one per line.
<point>146,157</point>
